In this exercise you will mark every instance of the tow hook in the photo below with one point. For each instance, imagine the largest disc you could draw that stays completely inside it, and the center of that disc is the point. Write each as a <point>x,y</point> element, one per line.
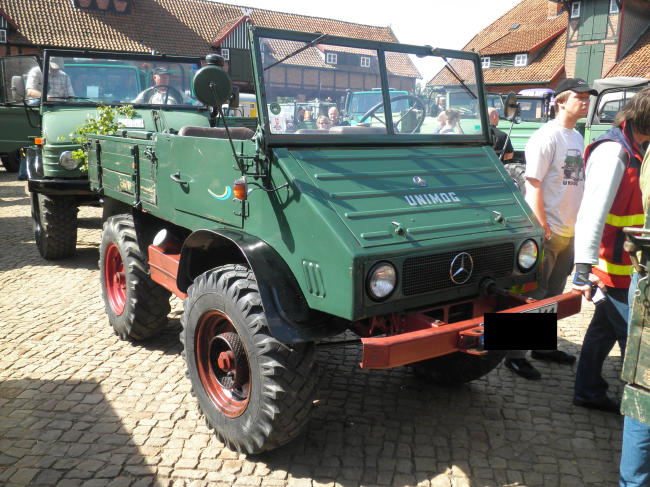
<point>471,341</point>
<point>490,288</point>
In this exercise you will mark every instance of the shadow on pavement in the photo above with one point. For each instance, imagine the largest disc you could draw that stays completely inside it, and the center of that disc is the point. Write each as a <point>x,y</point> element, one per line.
<point>63,432</point>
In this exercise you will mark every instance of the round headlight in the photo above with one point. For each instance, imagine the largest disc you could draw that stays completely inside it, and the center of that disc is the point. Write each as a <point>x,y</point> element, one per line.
<point>67,162</point>
<point>527,256</point>
<point>381,280</point>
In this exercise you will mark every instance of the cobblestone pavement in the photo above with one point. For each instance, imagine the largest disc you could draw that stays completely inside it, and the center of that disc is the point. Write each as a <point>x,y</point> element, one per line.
<point>80,407</point>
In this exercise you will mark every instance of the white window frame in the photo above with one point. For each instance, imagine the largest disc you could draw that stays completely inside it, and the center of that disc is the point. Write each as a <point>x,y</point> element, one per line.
<point>3,36</point>
<point>575,10</point>
<point>613,7</point>
<point>225,53</point>
<point>3,23</point>
<point>331,58</point>
<point>521,60</point>
<point>365,62</point>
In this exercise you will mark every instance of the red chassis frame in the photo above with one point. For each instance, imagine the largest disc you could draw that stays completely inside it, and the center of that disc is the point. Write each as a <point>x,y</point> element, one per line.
<point>411,337</point>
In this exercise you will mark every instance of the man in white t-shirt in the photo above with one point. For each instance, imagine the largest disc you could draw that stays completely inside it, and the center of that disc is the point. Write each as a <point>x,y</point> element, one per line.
<point>555,179</point>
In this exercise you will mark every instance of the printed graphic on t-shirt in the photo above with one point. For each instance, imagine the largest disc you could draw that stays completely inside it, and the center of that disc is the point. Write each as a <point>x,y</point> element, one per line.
<point>574,168</point>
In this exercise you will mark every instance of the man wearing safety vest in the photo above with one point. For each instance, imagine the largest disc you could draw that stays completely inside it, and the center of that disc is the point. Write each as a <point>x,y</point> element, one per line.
<point>612,200</point>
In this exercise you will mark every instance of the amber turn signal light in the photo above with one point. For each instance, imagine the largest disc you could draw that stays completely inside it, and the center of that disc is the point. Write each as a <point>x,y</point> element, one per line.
<point>39,141</point>
<point>239,189</point>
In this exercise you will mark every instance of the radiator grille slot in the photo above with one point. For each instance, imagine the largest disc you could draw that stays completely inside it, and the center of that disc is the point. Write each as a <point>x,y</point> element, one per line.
<point>431,272</point>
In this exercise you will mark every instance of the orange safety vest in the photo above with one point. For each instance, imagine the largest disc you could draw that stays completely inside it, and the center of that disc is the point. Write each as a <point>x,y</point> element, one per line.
<point>614,265</point>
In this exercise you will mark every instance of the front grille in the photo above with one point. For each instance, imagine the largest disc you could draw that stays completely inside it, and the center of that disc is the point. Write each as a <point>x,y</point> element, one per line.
<point>431,272</point>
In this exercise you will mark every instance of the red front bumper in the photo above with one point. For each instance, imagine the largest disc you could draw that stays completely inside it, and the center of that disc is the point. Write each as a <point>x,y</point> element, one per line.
<point>433,338</point>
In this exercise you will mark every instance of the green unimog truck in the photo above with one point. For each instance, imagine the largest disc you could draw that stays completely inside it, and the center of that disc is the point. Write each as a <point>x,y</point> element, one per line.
<point>19,120</point>
<point>279,239</point>
<point>83,80</point>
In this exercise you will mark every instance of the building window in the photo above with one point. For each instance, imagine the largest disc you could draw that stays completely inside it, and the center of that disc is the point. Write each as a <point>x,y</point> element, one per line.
<point>225,53</point>
<point>3,23</point>
<point>521,60</point>
<point>485,62</point>
<point>613,7</point>
<point>575,10</point>
<point>331,58</point>
<point>365,62</point>
<point>3,36</point>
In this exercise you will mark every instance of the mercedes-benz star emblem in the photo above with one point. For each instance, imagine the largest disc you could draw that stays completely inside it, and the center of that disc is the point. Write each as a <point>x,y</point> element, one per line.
<point>461,268</point>
<point>419,181</point>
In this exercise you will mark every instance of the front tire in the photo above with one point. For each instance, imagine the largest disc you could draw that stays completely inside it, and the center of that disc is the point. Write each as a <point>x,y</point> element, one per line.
<point>458,367</point>
<point>253,390</point>
<point>137,307</point>
<point>55,225</point>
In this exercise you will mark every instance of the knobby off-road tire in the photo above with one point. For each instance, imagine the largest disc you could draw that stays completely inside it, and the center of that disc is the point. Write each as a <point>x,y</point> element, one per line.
<point>518,174</point>
<point>55,225</point>
<point>137,307</point>
<point>457,368</point>
<point>11,161</point>
<point>254,391</point>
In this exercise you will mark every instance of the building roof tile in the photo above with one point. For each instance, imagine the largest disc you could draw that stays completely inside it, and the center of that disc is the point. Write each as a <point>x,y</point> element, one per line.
<point>181,26</point>
<point>635,63</point>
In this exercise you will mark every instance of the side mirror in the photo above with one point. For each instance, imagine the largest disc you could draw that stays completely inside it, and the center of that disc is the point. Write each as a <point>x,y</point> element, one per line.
<point>212,86</point>
<point>510,106</point>
<point>234,98</point>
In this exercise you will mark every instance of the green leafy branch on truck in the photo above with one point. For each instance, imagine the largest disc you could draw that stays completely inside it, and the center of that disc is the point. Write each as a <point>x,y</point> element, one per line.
<point>106,123</point>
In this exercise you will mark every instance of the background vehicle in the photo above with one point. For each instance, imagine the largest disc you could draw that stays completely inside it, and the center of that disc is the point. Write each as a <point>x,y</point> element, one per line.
<point>18,122</point>
<point>57,183</point>
<point>357,103</point>
<point>277,239</point>
<point>613,95</point>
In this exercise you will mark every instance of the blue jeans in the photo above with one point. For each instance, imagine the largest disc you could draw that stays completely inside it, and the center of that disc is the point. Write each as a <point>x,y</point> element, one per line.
<point>635,454</point>
<point>608,325</point>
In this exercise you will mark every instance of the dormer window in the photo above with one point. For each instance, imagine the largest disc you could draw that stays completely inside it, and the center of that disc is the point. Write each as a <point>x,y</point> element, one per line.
<point>485,62</point>
<point>365,62</point>
<point>521,60</point>
<point>331,58</point>
<point>575,10</point>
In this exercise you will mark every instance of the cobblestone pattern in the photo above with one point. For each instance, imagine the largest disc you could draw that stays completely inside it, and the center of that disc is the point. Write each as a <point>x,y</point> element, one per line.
<point>80,407</point>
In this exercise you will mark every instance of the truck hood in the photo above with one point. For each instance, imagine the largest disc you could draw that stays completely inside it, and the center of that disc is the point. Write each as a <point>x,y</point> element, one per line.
<point>390,196</point>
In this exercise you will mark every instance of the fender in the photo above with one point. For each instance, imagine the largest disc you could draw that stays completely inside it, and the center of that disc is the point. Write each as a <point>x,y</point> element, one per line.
<point>289,317</point>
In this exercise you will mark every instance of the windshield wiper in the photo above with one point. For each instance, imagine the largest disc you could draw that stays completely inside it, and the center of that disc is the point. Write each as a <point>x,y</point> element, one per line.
<point>297,51</point>
<point>451,69</point>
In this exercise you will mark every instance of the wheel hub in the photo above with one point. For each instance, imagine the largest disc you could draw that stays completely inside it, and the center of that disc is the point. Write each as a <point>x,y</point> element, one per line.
<point>228,360</point>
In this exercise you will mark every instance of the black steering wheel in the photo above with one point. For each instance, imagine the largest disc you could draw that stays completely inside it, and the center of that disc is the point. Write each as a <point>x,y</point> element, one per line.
<point>417,104</point>
<point>175,94</point>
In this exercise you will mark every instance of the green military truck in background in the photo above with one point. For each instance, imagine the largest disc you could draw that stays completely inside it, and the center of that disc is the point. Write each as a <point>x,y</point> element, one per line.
<point>278,239</point>
<point>18,120</point>
<point>58,182</point>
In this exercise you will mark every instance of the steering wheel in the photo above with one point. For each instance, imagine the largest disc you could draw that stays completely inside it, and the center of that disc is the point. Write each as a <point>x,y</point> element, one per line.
<point>417,104</point>
<point>175,94</point>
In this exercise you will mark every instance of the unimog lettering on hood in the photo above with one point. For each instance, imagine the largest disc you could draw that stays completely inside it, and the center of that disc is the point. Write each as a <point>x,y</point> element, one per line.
<point>431,199</point>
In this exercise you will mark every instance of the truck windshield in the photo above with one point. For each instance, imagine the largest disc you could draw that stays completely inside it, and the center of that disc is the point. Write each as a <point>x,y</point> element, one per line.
<point>330,89</point>
<point>75,80</point>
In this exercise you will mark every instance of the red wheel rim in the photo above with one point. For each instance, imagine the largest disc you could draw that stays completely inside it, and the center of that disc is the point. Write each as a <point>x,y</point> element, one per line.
<point>222,364</point>
<point>115,280</point>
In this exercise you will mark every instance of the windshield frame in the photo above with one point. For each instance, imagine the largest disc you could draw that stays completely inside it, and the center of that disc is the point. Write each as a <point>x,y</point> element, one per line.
<point>257,33</point>
<point>112,55</point>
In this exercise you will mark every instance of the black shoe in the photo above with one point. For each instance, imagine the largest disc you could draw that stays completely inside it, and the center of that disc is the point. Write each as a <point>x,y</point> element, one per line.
<point>603,403</point>
<point>522,367</point>
<point>554,356</point>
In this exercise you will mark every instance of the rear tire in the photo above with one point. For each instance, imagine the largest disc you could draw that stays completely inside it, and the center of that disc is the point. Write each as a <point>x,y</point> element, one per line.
<point>55,225</point>
<point>11,161</point>
<point>458,367</point>
<point>137,307</point>
<point>518,174</point>
<point>253,390</point>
